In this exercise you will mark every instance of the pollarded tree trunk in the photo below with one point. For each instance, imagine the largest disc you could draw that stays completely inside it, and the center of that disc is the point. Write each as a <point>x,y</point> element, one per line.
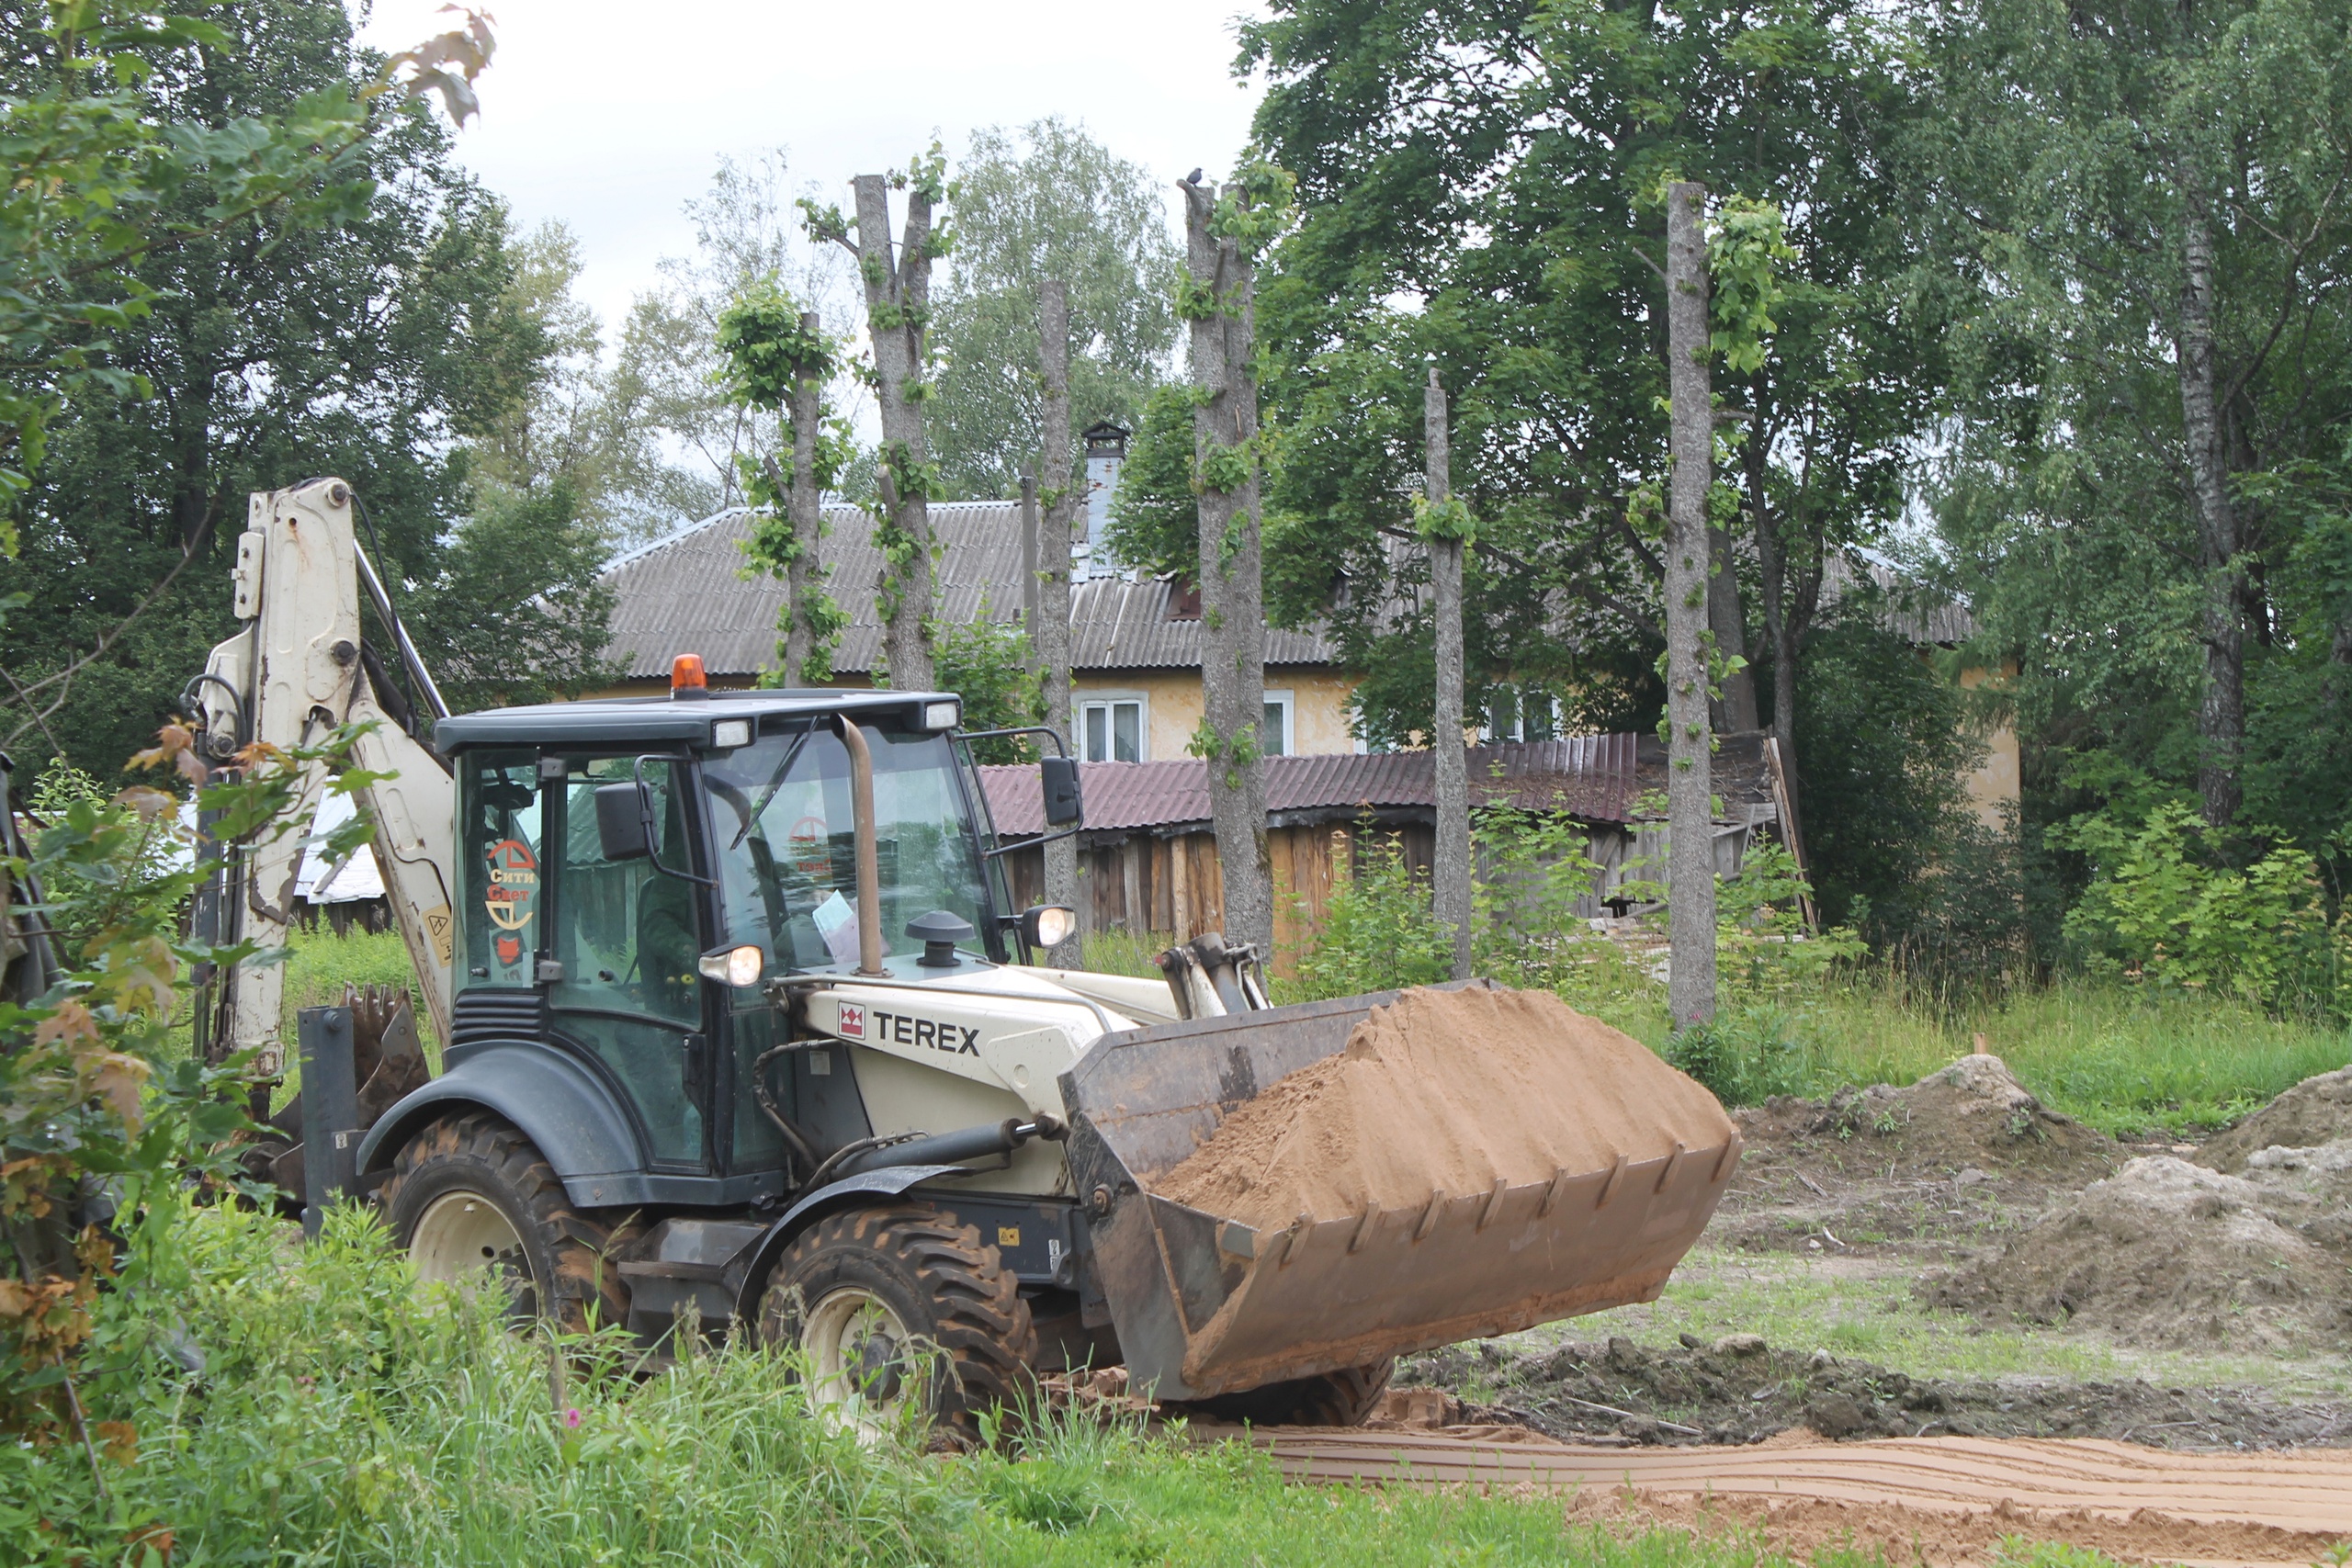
<point>1450,866</point>
<point>2222,716</point>
<point>1052,635</point>
<point>1691,895</point>
<point>1220,305</point>
<point>804,577</point>
<point>897,309</point>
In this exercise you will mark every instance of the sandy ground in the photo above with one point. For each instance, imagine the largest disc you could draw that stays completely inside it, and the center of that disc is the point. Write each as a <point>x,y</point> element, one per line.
<point>1936,1501</point>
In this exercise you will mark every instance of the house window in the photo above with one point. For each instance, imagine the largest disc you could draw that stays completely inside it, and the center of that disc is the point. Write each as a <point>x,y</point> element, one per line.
<point>1274,735</point>
<point>1111,729</point>
<point>1520,713</point>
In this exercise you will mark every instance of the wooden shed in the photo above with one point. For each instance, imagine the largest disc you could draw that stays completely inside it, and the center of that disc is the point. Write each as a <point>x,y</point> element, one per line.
<point>1148,857</point>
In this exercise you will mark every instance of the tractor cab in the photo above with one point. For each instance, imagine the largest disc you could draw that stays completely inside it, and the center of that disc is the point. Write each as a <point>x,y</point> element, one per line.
<point>632,873</point>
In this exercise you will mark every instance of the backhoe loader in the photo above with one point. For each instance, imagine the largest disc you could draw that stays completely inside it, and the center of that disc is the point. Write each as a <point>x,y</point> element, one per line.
<point>740,1027</point>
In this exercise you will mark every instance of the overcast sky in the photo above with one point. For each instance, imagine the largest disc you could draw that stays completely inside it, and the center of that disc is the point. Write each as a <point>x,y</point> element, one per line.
<point>608,114</point>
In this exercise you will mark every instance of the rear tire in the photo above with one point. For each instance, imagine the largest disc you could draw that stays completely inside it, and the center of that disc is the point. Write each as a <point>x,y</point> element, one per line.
<point>1329,1399</point>
<point>472,1193</point>
<point>898,1306</point>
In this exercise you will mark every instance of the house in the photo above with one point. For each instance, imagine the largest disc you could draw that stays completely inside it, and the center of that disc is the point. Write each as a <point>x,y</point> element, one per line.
<point>1148,854</point>
<point>1136,641</point>
<point>1931,625</point>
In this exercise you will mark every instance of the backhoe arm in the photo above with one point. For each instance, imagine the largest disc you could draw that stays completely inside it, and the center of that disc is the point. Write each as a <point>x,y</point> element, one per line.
<point>289,678</point>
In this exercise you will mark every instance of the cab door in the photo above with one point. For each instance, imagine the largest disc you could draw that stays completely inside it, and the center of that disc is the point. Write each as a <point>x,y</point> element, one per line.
<point>627,935</point>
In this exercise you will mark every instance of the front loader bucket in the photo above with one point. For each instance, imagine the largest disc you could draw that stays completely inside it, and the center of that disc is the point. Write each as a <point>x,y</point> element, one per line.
<point>1205,1303</point>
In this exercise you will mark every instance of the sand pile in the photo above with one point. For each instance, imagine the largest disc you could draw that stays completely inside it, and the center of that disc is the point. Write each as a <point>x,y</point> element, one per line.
<point>2167,1253</point>
<point>1972,1112</point>
<point>1450,1090</point>
<point>2316,1111</point>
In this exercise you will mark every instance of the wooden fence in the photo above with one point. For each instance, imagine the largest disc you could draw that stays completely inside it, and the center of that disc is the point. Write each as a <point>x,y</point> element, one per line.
<point>1174,883</point>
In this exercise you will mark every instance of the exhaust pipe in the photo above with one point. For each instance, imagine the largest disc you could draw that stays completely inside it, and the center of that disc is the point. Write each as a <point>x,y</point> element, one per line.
<point>869,872</point>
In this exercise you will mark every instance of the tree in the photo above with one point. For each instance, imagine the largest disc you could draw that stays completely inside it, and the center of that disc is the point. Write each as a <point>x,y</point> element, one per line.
<point>1052,203</point>
<point>779,358</point>
<point>898,315</point>
<point>1691,895</point>
<point>1480,188</point>
<point>1445,524</point>
<point>682,433</point>
<point>267,346</point>
<point>1049,636</point>
<point>1224,234</point>
<point>2148,202</point>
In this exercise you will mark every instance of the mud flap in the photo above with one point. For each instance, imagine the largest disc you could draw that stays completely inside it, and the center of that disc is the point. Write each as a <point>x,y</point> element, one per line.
<point>1205,1304</point>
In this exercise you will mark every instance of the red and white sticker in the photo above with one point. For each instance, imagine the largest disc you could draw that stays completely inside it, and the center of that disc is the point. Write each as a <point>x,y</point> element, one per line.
<point>853,1022</point>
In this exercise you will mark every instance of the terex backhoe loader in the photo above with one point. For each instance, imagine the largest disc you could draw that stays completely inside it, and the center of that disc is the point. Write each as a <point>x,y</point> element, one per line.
<point>738,1020</point>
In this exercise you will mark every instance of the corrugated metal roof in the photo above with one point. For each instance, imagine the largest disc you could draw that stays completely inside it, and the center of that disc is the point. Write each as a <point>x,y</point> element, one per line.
<point>1908,608</point>
<point>1594,777</point>
<point>686,593</point>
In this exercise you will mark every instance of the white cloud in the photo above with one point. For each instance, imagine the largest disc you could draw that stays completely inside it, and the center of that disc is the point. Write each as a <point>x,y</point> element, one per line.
<point>608,114</point>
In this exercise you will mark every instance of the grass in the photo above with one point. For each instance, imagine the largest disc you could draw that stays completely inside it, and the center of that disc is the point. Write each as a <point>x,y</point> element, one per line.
<point>1119,952</point>
<point>324,963</point>
<point>339,1420</point>
<point>2128,1062</point>
<point>2132,1063</point>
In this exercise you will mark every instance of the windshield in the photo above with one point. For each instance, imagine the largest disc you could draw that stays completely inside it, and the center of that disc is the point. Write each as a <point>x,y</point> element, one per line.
<point>787,856</point>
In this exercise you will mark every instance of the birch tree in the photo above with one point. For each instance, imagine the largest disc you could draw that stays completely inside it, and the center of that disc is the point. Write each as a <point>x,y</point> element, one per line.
<point>1691,895</point>
<point>1224,234</point>
<point>898,316</point>
<point>1446,524</point>
<point>1059,498</point>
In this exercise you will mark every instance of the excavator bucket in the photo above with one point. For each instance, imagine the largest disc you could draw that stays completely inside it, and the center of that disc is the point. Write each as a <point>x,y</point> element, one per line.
<point>1207,1302</point>
<point>388,1062</point>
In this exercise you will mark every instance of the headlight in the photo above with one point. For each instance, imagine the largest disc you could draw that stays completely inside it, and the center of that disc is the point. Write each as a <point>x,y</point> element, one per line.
<point>737,966</point>
<point>942,716</point>
<point>1049,925</point>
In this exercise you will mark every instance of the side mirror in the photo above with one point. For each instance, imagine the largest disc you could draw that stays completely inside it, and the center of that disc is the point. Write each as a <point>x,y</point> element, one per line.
<point>1063,807</point>
<point>620,823</point>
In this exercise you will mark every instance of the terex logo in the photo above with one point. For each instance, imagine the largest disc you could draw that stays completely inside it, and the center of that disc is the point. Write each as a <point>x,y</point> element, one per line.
<point>901,1030</point>
<point>853,1022</point>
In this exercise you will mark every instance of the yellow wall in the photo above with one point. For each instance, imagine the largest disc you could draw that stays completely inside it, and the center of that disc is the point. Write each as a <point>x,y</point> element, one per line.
<point>1172,703</point>
<point>1319,714</point>
<point>1993,787</point>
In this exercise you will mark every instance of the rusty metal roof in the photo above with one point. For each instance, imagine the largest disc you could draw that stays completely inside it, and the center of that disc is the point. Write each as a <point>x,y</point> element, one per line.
<point>686,593</point>
<point>1594,777</point>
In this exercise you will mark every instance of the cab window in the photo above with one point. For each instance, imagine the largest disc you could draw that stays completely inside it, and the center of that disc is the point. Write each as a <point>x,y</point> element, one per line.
<point>504,900</point>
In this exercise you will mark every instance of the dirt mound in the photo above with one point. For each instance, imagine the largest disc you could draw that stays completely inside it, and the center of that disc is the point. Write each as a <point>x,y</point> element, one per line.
<point>1974,1113</point>
<point>1740,1390</point>
<point>2167,1253</point>
<point>1452,1090</point>
<point>2316,1111</point>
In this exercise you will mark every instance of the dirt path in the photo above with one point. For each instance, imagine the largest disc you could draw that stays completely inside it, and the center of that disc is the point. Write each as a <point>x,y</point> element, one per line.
<point>1934,1500</point>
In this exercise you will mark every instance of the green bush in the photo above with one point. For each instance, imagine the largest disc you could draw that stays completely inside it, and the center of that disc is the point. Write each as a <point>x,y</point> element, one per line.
<point>1378,931</point>
<point>2166,906</point>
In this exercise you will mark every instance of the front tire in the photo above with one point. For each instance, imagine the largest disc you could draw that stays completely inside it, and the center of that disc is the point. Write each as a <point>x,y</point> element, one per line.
<point>472,1194</point>
<point>900,1310</point>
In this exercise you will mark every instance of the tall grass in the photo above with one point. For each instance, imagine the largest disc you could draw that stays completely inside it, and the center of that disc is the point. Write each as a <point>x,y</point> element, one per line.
<point>323,963</point>
<point>2128,1062</point>
<point>308,1406</point>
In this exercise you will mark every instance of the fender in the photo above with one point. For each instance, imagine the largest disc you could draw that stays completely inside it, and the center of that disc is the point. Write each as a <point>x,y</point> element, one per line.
<point>850,1192</point>
<point>560,1105</point>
